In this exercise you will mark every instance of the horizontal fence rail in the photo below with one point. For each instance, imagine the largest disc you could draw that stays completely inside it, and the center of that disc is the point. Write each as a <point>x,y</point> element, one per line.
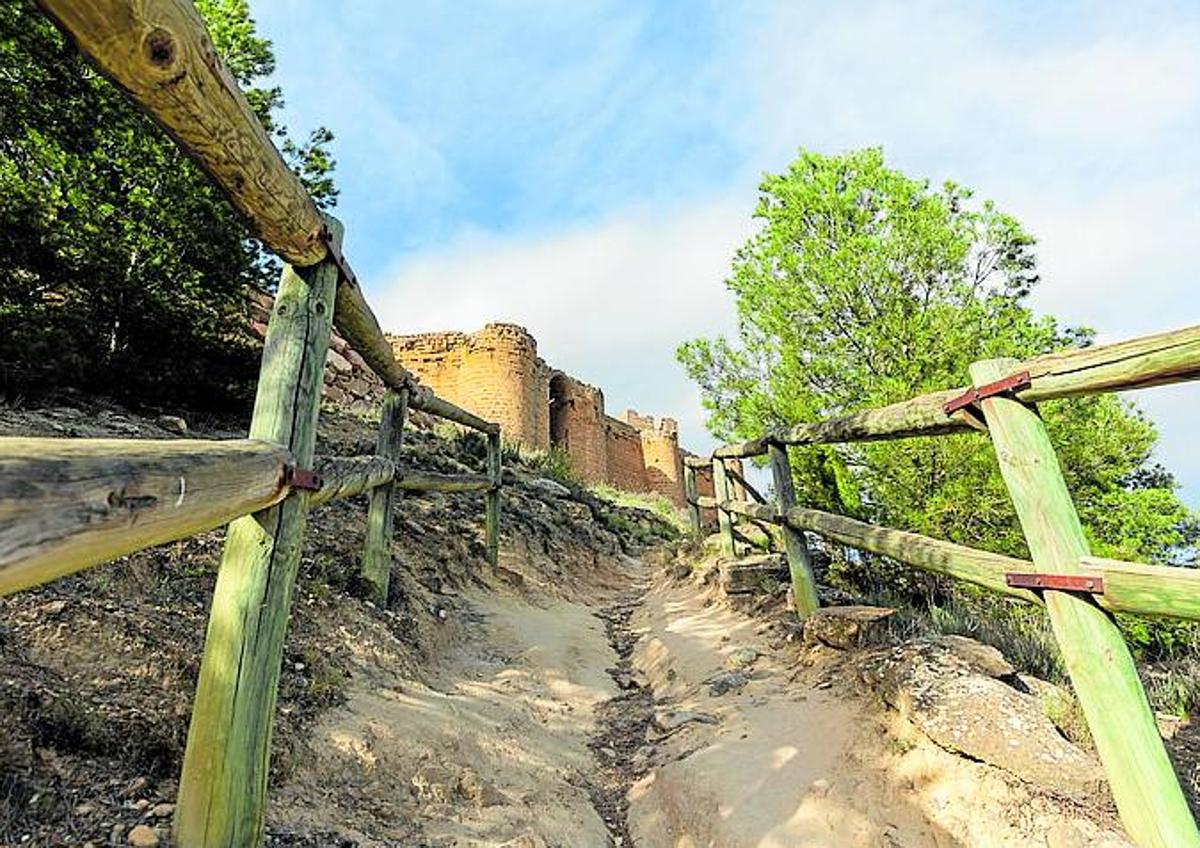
<point>68,504</point>
<point>1156,360</point>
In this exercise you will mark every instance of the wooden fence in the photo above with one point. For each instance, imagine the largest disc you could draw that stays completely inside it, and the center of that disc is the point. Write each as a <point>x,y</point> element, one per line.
<point>1078,590</point>
<point>68,504</point>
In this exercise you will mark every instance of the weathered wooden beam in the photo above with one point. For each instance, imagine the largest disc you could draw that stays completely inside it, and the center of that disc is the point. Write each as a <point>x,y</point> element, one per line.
<point>724,523</point>
<point>431,403</point>
<point>706,502</point>
<point>1147,590</point>
<point>740,480</point>
<point>358,325</point>
<point>222,791</point>
<point>697,461</point>
<point>377,546</point>
<point>416,481</point>
<point>804,583</point>
<point>739,450</point>
<point>1155,360</point>
<point>940,557</point>
<point>495,469</point>
<point>920,416</point>
<point>346,477</point>
<point>68,504</point>
<point>161,53</point>
<point>1157,591</point>
<point>1147,793</point>
<point>690,495</point>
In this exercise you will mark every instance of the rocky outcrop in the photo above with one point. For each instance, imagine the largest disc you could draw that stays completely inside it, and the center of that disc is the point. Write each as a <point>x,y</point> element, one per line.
<point>961,694</point>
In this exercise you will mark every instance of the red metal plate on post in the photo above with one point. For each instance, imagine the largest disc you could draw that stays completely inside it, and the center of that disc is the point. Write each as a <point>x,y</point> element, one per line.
<point>302,478</point>
<point>1090,583</point>
<point>971,396</point>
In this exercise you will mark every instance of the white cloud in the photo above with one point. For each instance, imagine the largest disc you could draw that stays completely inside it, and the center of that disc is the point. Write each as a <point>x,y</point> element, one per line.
<point>1080,120</point>
<point>608,303</point>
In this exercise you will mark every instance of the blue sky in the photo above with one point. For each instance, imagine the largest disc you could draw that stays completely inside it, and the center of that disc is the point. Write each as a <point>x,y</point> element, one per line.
<point>588,168</point>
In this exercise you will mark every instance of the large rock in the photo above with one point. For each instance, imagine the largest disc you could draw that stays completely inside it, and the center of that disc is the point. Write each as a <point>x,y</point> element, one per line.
<point>546,486</point>
<point>844,627</point>
<point>952,689</point>
<point>753,573</point>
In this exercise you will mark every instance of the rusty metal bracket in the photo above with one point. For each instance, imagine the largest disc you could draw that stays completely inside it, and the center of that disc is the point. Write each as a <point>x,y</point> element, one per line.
<point>972,396</point>
<point>337,257</point>
<point>302,478</point>
<point>1091,583</point>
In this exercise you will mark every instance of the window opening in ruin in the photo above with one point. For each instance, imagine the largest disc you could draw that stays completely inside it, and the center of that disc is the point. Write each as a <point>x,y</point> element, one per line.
<point>559,404</point>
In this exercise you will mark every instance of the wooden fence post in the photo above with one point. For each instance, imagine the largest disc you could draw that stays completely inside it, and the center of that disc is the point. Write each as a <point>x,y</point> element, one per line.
<point>495,469</point>
<point>1143,783</point>
<point>691,492</point>
<point>804,583</point>
<point>222,791</point>
<point>377,548</point>
<point>721,490</point>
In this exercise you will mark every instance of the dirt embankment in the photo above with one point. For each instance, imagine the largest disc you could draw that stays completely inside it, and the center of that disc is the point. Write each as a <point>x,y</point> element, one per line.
<point>97,670</point>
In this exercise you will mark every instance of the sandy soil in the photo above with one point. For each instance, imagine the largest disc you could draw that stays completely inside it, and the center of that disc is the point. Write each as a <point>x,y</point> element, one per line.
<point>575,716</point>
<point>490,748</point>
<point>792,760</point>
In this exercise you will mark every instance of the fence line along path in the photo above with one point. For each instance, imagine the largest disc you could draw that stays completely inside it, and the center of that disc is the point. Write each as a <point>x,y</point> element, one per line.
<point>68,504</point>
<point>1078,590</point>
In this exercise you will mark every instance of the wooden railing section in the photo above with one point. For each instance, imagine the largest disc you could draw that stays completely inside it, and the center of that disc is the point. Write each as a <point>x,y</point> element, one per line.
<point>68,504</point>
<point>1078,590</point>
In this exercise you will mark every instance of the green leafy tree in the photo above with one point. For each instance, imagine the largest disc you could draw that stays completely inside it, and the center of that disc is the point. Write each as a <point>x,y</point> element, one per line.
<point>122,269</point>
<point>864,287</point>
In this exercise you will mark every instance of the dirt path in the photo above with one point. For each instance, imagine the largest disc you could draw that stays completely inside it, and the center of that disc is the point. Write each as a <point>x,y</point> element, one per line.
<point>587,717</point>
<point>777,759</point>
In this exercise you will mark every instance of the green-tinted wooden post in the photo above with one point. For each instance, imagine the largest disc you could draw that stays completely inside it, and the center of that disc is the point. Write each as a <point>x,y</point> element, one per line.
<point>804,583</point>
<point>721,490</point>
<point>691,492</point>
<point>222,791</point>
<point>1144,785</point>
<point>377,549</point>
<point>495,471</point>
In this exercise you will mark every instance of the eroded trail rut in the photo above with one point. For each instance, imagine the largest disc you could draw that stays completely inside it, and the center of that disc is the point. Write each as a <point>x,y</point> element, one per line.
<point>624,721</point>
<point>634,711</point>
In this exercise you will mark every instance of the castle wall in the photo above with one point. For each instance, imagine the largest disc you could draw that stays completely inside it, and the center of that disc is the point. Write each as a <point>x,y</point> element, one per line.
<point>626,463</point>
<point>494,373</point>
<point>576,422</point>
<point>660,452</point>
<point>497,374</point>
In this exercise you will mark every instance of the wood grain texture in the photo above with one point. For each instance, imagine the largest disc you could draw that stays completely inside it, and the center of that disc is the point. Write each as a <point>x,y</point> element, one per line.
<point>434,405</point>
<point>346,477</point>
<point>67,504</point>
<point>161,53</point>
<point>724,524</point>
<point>376,568</point>
<point>1155,360</point>
<point>697,461</point>
<point>1147,590</point>
<point>222,791</point>
<point>691,493</point>
<point>495,471</point>
<point>358,325</point>
<point>1157,591</point>
<point>1147,794</point>
<point>804,582</point>
<point>427,481</point>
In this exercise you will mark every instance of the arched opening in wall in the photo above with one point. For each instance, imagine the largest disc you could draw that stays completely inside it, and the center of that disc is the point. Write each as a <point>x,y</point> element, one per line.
<point>559,403</point>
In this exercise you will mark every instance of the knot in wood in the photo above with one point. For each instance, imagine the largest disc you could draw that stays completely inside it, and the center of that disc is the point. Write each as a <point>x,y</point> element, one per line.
<point>160,48</point>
